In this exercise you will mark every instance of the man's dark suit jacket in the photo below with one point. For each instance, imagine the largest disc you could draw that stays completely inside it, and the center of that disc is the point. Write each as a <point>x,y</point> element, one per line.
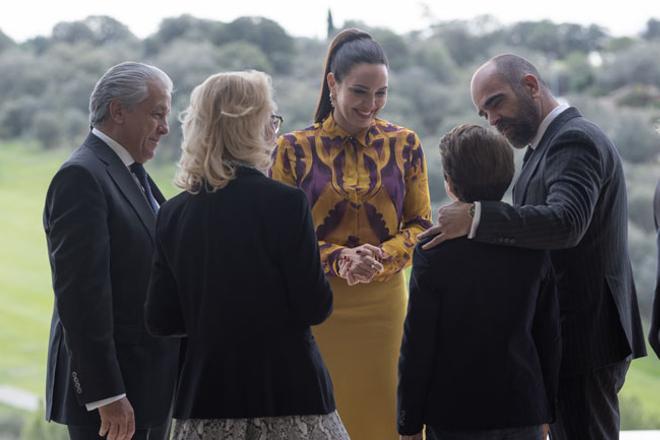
<point>238,272</point>
<point>571,198</point>
<point>99,229</point>
<point>481,344</point>
<point>654,334</point>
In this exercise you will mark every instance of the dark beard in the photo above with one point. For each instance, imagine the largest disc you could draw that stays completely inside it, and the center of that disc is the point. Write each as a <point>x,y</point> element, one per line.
<point>521,129</point>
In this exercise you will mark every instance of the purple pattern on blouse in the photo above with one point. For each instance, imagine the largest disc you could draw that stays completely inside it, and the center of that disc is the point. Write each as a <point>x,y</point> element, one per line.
<point>416,155</point>
<point>377,145</point>
<point>332,220</point>
<point>331,260</point>
<point>299,152</point>
<point>389,128</point>
<point>286,163</point>
<point>372,170</point>
<point>406,154</point>
<point>372,131</point>
<point>377,222</point>
<point>417,220</point>
<point>392,180</point>
<point>330,143</point>
<point>319,176</point>
<point>325,246</point>
<point>352,241</point>
<point>338,165</point>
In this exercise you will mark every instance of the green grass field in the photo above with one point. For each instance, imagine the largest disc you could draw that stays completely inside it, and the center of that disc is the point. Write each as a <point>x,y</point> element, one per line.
<point>26,295</point>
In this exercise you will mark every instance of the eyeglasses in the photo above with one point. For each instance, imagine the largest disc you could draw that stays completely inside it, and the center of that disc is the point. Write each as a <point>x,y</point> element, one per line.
<point>276,121</point>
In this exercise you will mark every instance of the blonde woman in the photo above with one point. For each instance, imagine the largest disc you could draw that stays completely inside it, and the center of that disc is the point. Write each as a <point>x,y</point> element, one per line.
<point>237,273</point>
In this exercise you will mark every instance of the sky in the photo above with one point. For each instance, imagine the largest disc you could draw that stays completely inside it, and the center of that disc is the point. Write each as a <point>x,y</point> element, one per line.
<point>24,19</point>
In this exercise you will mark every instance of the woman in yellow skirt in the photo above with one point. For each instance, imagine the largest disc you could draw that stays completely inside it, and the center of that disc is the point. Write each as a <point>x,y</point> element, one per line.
<point>366,181</point>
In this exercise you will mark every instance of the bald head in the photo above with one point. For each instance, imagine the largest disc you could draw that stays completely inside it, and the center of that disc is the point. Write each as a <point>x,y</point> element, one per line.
<point>509,69</point>
<point>508,91</point>
<point>513,69</point>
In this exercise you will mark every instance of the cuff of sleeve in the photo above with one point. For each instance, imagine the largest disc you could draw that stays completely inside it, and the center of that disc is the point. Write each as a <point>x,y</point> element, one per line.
<point>333,262</point>
<point>475,220</point>
<point>398,257</point>
<point>91,406</point>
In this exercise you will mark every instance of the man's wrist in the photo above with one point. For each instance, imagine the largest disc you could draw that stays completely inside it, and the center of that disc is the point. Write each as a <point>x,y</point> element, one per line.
<point>91,406</point>
<point>475,211</point>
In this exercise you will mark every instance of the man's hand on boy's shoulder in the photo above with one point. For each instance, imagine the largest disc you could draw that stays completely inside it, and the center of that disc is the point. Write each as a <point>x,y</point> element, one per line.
<point>454,220</point>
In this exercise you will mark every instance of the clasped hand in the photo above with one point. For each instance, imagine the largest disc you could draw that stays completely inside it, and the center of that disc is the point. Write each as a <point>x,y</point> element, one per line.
<point>361,264</point>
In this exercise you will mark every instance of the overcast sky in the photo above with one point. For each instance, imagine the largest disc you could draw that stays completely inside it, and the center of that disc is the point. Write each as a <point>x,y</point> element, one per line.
<point>22,19</point>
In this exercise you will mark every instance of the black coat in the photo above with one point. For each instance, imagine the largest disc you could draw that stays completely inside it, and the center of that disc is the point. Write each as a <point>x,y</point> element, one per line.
<point>481,345</point>
<point>99,229</point>
<point>654,332</point>
<point>237,271</point>
<point>570,198</point>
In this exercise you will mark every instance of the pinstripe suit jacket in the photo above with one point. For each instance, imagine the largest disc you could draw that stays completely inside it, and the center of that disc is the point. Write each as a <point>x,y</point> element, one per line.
<point>654,334</point>
<point>570,198</point>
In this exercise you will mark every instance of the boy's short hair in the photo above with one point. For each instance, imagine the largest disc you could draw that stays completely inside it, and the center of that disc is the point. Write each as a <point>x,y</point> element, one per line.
<point>478,161</point>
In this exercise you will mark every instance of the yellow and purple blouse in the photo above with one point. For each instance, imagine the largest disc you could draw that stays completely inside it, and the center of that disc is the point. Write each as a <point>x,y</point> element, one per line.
<point>368,188</point>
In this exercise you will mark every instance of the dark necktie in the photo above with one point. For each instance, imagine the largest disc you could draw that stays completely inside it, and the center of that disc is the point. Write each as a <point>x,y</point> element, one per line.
<point>141,174</point>
<point>528,153</point>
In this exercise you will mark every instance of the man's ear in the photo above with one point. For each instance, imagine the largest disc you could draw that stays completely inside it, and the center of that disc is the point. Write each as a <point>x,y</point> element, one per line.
<point>532,84</point>
<point>116,111</point>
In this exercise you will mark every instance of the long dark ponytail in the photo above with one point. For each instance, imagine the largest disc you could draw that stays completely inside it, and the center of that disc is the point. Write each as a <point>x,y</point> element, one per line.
<point>348,48</point>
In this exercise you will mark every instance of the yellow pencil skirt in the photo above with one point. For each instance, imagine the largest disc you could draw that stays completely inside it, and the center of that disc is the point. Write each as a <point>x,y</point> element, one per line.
<point>360,346</point>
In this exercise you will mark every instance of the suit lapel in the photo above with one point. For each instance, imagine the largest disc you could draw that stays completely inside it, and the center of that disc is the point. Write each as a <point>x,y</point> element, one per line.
<point>531,166</point>
<point>528,170</point>
<point>125,182</point>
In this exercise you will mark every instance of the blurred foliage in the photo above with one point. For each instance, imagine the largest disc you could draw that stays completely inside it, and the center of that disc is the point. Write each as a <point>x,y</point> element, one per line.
<point>45,82</point>
<point>652,31</point>
<point>5,41</point>
<point>96,30</point>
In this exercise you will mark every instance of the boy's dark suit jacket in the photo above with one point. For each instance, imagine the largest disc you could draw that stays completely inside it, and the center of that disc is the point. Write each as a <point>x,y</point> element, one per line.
<point>100,229</point>
<point>238,272</point>
<point>571,198</point>
<point>481,345</point>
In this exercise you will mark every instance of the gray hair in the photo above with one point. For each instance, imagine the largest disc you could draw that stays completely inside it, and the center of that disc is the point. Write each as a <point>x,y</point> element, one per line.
<point>129,83</point>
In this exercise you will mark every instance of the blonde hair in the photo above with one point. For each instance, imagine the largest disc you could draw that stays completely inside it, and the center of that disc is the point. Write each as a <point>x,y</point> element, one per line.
<point>223,127</point>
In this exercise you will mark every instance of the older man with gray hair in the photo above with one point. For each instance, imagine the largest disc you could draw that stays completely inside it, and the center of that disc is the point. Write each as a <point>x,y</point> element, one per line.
<point>106,376</point>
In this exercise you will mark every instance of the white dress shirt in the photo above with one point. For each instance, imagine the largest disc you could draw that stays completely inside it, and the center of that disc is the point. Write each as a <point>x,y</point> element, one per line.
<point>115,146</point>
<point>123,154</point>
<point>127,159</point>
<point>535,143</point>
